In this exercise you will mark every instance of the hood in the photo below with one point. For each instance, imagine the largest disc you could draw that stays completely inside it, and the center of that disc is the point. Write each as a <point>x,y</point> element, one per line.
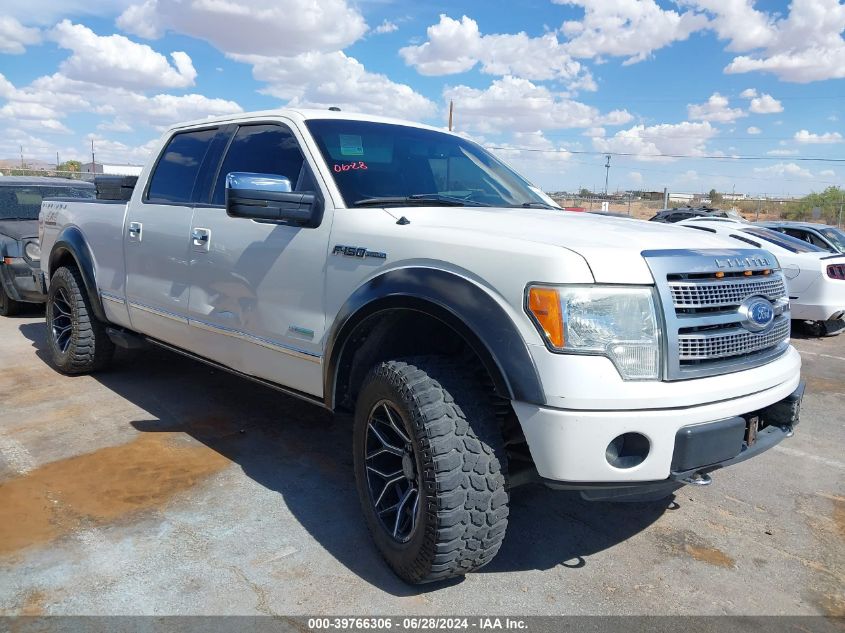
<point>19,229</point>
<point>612,246</point>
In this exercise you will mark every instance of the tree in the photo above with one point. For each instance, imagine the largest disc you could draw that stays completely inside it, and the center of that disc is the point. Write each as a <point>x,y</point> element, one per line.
<point>585,193</point>
<point>828,201</point>
<point>70,165</point>
<point>715,196</point>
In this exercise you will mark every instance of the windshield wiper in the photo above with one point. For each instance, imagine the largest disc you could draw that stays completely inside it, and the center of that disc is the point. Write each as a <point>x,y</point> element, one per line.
<point>421,199</point>
<point>534,205</point>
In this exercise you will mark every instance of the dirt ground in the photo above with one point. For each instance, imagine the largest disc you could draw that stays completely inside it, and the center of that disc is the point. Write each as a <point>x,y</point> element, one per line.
<point>164,487</point>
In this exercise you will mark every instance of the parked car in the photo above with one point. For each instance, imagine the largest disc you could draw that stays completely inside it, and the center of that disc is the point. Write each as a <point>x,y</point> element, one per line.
<point>816,279</point>
<point>677,214</point>
<point>481,338</point>
<point>20,266</point>
<point>828,238</point>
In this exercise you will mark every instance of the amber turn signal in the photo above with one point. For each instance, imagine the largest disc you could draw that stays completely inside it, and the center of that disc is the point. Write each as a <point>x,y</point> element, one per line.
<point>544,304</point>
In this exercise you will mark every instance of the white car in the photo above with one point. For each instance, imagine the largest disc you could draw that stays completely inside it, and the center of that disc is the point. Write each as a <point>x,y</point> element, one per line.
<point>816,279</point>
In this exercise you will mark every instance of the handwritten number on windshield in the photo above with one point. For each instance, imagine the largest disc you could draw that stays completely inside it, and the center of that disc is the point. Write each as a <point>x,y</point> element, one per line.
<point>339,167</point>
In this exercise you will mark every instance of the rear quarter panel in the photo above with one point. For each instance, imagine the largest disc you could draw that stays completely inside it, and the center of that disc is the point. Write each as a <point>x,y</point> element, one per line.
<point>101,224</point>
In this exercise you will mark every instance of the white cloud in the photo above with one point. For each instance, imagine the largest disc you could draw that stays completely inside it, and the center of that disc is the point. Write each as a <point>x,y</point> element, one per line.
<point>783,152</point>
<point>518,105</point>
<point>647,143</point>
<point>114,60</point>
<point>739,22</point>
<point>804,46</point>
<point>635,177</point>
<point>753,130</point>
<point>115,125</point>
<point>322,80</point>
<point>15,37</point>
<point>716,108</point>
<point>748,93</point>
<point>51,98</point>
<point>626,28</point>
<point>386,27</point>
<point>457,46</point>
<point>112,151</point>
<point>765,104</point>
<point>827,173</point>
<point>809,138</point>
<point>784,169</point>
<point>251,27</point>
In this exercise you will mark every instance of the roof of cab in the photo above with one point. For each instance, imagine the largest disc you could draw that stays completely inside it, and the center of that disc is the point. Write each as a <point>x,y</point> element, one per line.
<point>303,114</point>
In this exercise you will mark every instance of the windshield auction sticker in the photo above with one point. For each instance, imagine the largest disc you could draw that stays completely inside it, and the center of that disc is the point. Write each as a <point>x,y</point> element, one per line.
<point>351,145</point>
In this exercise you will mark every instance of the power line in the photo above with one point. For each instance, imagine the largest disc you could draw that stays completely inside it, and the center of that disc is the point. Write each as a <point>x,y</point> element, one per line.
<point>679,156</point>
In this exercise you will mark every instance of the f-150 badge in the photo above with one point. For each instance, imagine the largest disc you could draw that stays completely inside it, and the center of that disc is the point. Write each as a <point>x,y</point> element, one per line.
<point>357,251</point>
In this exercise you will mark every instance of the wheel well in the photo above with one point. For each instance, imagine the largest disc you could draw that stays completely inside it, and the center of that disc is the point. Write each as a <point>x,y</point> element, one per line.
<point>62,258</point>
<point>388,335</point>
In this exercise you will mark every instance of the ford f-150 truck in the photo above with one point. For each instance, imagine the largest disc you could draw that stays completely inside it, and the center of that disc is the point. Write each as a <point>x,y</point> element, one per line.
<point>482,336</point>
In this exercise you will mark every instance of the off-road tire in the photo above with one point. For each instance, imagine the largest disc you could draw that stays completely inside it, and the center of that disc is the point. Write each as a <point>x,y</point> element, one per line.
<point>90,347</point>
<point>8,306</point>
<point>460,461</point>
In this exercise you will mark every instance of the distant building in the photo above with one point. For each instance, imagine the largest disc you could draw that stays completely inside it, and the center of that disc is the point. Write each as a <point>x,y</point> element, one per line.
<point>681,197</point>
<point>111,169</point>
<point>733,197</point>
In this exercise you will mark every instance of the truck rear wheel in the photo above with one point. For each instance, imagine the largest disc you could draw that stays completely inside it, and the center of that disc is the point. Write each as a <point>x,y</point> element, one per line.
<point>8,306</point>
<point>430,468</point>
<point>78,340</point>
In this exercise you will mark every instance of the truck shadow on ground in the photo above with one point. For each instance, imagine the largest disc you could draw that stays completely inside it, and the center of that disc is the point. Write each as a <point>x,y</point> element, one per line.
<point>304,453</point>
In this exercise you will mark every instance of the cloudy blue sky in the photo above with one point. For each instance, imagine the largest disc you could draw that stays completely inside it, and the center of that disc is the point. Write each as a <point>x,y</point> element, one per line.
<point>673,90</point>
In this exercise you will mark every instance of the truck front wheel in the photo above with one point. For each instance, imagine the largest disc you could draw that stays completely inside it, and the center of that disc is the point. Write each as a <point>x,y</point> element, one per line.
<point>430,468</point>
<point>78,340</point>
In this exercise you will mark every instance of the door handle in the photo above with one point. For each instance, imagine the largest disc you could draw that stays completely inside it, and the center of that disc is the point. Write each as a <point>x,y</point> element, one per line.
<point>201,238</point>
<point>135,231</point>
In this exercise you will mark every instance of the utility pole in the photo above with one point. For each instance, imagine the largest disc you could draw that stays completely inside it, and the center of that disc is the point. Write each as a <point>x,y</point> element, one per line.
<point>57,161</point>
<point>606,173</point>
<point>93,162</point>
<point>451,111</point>
<point>21,156</point>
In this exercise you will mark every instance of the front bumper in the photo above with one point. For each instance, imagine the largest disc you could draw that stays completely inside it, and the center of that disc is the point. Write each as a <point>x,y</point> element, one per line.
<point>570,448</point>
<point>22,281</point>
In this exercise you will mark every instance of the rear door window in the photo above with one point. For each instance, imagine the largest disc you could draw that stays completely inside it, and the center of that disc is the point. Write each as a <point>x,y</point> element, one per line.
<point>176,172</point>
<point>264,149</point>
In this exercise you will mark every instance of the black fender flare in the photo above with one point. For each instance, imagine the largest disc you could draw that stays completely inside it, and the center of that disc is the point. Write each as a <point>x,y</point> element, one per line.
<point>71,242</point>
<point>462,305</point>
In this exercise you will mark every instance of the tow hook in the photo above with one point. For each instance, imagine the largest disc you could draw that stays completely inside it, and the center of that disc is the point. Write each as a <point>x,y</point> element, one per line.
<point>698,479</point>
<point>788,430</point>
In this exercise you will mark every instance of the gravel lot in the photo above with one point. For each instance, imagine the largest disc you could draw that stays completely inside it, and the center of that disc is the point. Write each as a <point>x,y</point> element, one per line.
<point>163,487</point>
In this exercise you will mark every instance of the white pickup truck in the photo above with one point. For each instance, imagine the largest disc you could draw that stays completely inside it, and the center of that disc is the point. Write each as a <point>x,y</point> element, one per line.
<point>482,336</point>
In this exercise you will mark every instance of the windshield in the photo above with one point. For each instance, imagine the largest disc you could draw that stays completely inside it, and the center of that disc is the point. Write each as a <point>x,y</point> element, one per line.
<point>835,237</point>
<point>788,242</point>
<point>24,202</point>
<point>397,165</point>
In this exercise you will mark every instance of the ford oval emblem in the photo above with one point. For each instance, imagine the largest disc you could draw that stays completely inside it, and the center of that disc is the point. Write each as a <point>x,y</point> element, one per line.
<point>757,314</point>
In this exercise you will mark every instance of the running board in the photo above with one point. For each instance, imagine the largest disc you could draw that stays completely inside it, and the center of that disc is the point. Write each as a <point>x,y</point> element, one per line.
<point>261,381</point>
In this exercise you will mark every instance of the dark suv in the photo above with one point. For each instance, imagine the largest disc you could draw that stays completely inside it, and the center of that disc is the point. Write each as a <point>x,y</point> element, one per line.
<point>685,213</point>
<point>20,254</point>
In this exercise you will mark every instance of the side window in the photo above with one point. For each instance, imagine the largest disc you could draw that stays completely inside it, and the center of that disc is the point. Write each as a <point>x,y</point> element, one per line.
<point>177,169</point>
<point>264,149</point>
<point>815,240</point>
<point>797,234</point>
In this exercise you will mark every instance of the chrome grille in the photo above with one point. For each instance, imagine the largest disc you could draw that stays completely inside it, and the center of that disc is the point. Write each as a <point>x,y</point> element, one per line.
<point>726,344</point>
<point>704,333</point>
<point>692,294</point>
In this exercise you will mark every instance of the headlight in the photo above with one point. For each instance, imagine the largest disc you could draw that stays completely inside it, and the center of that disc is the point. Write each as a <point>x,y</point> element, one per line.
<point>613,321</point>
<point>33,251</point>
